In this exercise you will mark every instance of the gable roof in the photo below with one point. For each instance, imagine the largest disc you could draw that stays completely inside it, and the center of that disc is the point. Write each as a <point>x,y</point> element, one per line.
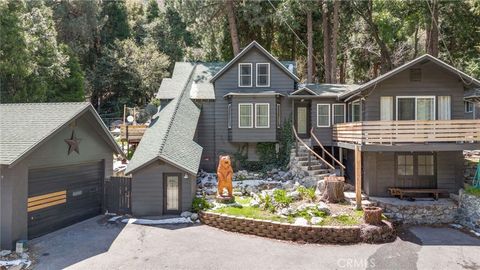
<point>423,58</point>
<point>26,126</point>
<point>254,44</point>
<point>323,89</point>
<point>170,135</point>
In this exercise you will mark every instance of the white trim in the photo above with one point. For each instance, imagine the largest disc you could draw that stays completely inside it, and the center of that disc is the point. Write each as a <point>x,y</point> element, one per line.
<point>239,73</point>
<point>390,103</point>
<point>333,112</point>
<point>329,114</point>
<point>465,106</point>
<point>251,115</point>
<point>278,116</point>
<point>268,115</point>
<point>360,111</point>
<point>256,75</point>
<point>434,107</point>
<point>229,115</point>
<point>303,89</point>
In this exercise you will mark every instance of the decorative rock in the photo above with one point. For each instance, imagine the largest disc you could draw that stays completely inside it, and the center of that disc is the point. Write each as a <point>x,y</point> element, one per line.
<point>320,187</point>
<point>4,253</point>
<point>295,195</point>
<point>300,221</point>
<point>186,214</point>
<point>194,217</point>
<point>316,220</point>
<point>321,206</point>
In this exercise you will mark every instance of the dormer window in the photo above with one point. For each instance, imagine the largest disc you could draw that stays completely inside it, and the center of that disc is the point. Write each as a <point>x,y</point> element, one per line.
<point>263,74</point>
<point>245,75</point>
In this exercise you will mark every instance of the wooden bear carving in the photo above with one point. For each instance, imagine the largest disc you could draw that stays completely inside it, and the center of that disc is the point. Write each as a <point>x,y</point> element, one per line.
<point>224,175</point>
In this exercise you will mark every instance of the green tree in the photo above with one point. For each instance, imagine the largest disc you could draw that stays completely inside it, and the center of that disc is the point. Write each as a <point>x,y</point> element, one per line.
<point>153,11</point>
<point>72,87</point>
<point>116,21</point>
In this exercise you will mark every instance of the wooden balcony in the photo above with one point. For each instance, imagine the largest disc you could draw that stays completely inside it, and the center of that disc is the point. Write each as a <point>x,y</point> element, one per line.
<point>407,132</point>
<point>134,133</point>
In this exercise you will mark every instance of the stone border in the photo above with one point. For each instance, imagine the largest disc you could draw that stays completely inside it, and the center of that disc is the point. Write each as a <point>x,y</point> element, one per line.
<point>301,233</point>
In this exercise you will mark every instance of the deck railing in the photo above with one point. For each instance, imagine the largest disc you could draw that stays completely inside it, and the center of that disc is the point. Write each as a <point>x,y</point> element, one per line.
<point>401,132</point>
<point>134,133</point>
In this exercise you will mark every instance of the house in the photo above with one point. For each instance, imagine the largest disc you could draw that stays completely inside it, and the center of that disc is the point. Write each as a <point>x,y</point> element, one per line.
<point>410,125</point>
<point>54,158</point>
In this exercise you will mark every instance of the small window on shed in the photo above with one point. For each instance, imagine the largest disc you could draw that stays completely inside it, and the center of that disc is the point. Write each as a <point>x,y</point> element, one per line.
<point>415,74</point>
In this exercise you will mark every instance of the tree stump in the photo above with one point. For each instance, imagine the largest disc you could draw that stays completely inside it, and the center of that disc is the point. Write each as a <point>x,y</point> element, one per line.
<point>333,192</point>
<point>372,215</point>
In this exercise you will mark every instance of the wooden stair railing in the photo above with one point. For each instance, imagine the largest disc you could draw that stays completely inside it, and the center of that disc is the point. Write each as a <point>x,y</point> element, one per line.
<point>310,151</point>
<point>342,167</point>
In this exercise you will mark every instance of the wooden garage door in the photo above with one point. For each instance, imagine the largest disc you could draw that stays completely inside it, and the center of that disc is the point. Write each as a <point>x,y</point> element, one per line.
<point>61,196</point>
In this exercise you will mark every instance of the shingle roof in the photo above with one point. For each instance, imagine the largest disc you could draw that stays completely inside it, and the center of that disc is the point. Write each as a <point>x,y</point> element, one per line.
<point>325,89</point>
<point>170,136</point>
<point>425,57</point>
<point>201,87</point>
<point>24,126</point>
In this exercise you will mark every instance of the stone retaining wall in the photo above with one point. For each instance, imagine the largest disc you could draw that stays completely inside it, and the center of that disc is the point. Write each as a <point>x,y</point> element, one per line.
<point>469,171</point>
<point>442,211</point>
<point>469,210</point>
<point>300,233</point>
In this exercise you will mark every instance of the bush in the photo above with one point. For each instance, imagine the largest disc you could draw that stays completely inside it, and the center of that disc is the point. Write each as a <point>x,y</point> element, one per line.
<point>200,204</point>
<point>307,193</point>
<point>281,198</point>
<point>266,203</point>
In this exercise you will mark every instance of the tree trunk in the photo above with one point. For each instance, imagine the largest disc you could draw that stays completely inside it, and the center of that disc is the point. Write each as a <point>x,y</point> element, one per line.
<point>415,47</point>
<point>233,26</point>
<point>336,22</point>
<point>310,47</point>
<point>333,192</point>
<point>326,43</point>
<point>432,33</point>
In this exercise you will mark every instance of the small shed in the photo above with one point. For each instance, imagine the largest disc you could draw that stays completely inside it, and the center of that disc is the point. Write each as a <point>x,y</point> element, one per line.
<point>54,158</point>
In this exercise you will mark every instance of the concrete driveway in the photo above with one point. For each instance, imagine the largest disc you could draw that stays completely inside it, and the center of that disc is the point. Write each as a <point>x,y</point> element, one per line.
<point>93,244</point>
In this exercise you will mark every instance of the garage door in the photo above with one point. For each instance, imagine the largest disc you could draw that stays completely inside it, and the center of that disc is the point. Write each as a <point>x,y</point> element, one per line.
<point>61,196</point>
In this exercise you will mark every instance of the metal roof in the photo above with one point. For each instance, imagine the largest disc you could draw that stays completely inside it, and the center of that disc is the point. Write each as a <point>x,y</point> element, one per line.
<point>26,126</point>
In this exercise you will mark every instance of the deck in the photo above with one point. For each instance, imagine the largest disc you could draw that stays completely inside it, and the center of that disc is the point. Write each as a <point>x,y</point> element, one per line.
<point>407,132</point>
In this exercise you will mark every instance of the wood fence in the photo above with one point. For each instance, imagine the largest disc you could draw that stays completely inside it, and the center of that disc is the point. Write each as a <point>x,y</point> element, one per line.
<point>118,195</point>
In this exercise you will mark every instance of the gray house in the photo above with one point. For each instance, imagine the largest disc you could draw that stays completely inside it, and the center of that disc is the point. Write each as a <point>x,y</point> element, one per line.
<point>411,124</point>
<point>54,158</point>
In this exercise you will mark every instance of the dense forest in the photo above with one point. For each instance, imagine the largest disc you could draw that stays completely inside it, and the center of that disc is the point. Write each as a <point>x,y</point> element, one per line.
<point>117,52</point>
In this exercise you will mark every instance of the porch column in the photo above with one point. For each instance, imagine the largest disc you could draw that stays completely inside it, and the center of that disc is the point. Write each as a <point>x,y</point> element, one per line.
<point>358,177</point>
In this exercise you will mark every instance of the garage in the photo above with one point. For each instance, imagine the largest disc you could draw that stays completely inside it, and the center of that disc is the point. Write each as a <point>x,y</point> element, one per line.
<point>61,196</point>
<point>54,158</point>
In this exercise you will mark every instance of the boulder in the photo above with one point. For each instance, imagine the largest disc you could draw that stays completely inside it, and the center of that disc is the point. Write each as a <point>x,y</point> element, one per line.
<point>321,206</point>
<point>194,217</point>
<point>301,221</point>
<point>320,187</point>
<point>316,220</point>
<point>186,214</point>
<point>295,195</point>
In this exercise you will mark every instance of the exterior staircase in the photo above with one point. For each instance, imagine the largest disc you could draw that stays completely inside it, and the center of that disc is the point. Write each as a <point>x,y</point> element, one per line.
<point>300,159</point>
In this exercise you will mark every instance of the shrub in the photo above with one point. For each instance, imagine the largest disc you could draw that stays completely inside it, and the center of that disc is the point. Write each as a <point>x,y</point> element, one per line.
<point>266,203</point>
<point>307,193</point>
<point>281,198</point>
<point>200,203</point>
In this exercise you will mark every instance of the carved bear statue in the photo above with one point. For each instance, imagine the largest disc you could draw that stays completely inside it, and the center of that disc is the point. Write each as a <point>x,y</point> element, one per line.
<point>224,175</point>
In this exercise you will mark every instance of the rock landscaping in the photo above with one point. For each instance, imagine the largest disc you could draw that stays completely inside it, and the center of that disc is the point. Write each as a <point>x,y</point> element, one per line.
<point>469,210</point>
<point>13,260</point>
<point>277,205</point>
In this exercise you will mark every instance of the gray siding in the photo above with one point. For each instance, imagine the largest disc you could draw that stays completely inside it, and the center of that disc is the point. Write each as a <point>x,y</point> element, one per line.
<point>147,189</point>
<point>435,82</point>
<point>53,153</point>
<point>280,82</point>
<point>379,171</point>
<point>324,134</point>
<point>205,135</point>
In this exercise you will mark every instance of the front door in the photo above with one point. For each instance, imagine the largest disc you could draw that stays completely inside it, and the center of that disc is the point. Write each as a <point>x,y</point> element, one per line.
<point>171,193</point>
<point>302,120</point>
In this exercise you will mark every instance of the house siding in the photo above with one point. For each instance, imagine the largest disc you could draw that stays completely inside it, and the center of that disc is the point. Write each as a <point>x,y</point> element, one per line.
<point>324,134</point>
<point>53,153</point>
<point>147,189</point>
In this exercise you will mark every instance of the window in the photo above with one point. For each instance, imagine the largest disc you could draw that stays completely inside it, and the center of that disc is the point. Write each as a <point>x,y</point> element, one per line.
<point>279,117</point>
<point>468,106</point>
<point>405,165</point>
<point>262,115</point>
<point>245,115</point>
<point>338,113</point>
<point>229,115</point>
<point>323,115</point>
<point>416,108</point>
<point>356,111</point>
<point>386,108</point>
<point>245,75</point>
<point>263,74</point>
<point>426,165</point>
<point>444,108</point>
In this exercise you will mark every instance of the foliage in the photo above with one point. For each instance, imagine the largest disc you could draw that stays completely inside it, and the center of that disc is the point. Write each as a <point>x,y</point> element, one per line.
<point>252,212</point>
<point>200,204</point>
<point>473,191</point>
<point>307,193</point>
<point>286,143</point>
<point>281,198</point>
<point>266,202</point>
<point>308,213</point>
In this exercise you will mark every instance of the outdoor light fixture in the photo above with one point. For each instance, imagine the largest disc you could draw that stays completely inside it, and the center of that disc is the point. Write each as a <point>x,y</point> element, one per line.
<point>185,176</point>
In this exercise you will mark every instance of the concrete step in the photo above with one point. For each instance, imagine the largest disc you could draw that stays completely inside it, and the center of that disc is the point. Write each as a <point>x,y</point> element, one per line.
<point>314,167</point>
<point>319,172</point>
<point>312,162</point>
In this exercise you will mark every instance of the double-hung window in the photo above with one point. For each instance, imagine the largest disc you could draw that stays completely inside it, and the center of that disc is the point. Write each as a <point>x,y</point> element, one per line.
<point>338,113</point>
<point>245,115</point>
<point>262,115</point>
<point>245,75</point>
<point>323,115</point>
<point>444,108</point>
<point>263,74</point>
<point>386,108</point>
<point>356,111</point>
<point>468,106</point>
